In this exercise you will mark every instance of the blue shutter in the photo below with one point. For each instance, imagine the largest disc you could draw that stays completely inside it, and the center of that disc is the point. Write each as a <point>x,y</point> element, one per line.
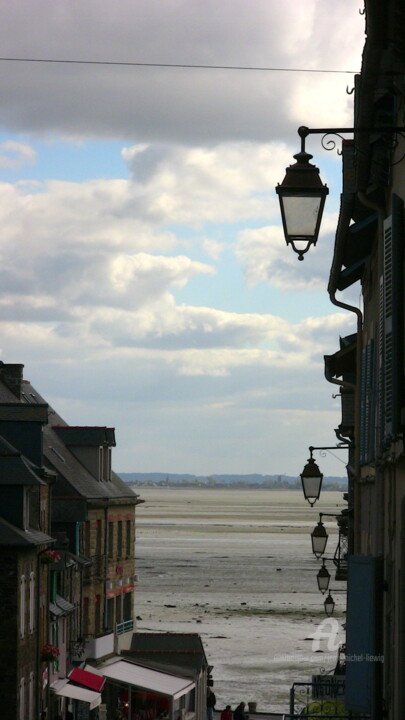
<point>364,588</point>
<point>392,322</point>
<point>387,330</point>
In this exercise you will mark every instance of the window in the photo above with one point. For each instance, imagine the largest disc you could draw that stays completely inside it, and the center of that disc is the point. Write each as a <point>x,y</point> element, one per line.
<point>127,606</point>
<point>110,539</point>
<point>22,606</point>
<point>119,539</point>
<point>128,539</point>
<point>32,603</point>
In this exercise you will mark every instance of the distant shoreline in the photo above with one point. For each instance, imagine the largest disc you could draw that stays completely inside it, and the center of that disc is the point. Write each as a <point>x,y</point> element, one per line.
<point>229,481</point>
<point>327,487</point>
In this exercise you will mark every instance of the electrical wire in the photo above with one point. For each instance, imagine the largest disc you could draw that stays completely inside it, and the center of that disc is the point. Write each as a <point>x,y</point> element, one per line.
<point>172,65</point>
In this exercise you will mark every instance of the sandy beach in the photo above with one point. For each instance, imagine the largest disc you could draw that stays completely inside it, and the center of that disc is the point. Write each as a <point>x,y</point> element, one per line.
<point>236,567</point>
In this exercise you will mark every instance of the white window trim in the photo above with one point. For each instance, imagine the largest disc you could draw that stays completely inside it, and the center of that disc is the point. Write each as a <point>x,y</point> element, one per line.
<point>32,603</point>
<point>22,699</point>
<point>31,688</point>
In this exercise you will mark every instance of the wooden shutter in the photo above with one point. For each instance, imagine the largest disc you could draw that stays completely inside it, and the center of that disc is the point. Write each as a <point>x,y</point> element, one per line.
<point>392,323</point>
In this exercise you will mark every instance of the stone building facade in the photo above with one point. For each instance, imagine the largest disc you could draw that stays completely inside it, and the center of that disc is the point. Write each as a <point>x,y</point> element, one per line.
<point>67,533</point>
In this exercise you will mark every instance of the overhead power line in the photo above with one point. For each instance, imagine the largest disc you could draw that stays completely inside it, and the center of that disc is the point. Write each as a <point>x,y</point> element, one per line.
<point>173,65</point>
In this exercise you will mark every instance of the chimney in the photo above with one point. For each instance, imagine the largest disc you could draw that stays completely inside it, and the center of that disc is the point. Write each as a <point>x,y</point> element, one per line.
<point>12,377</point>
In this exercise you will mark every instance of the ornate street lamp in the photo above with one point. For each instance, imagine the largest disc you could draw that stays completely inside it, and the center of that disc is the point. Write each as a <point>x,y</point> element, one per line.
<point>302,193</point>
<point>302,198</point>
<point>323,578</point>
<point>329,604</point>
<point>311,479</point>
<point>311,476</point>
<point>319,538</point>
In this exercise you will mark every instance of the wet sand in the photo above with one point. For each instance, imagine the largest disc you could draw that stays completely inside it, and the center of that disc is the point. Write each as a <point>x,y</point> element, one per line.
<point>236,567</point>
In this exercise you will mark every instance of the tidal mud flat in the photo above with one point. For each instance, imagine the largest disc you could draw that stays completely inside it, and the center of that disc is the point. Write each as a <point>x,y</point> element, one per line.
<point>236,567</point>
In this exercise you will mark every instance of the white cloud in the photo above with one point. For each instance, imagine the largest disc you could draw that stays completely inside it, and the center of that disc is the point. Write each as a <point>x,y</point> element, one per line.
<point>224,183</point>
<point>212,247</point>
<point>264,257</point>
<point>89,271</point>
<point>14,154</point>
<point>155,104</point>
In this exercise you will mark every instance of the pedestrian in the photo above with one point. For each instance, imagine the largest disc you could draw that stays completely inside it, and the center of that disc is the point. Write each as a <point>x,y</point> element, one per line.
<point>227,713</point>
<point>239,712</point>
<point>211,702</point>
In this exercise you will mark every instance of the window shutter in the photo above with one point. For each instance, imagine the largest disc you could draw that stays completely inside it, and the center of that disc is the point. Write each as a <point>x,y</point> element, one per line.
<point>367,430</point>
<point>392,322</point>
<point>387,331</point>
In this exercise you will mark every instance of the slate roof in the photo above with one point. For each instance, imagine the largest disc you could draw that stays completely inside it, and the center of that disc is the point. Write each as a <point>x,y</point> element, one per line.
<point>15,537</point>
<point>15,469</point>
<point>181,653</point>
<point>57,456</point>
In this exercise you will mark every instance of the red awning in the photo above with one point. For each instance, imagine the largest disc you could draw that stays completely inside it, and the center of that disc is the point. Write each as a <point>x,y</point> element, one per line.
<point>87,679</point>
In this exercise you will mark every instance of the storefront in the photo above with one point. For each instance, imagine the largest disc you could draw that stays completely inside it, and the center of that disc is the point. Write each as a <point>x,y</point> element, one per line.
<point>135,692</point>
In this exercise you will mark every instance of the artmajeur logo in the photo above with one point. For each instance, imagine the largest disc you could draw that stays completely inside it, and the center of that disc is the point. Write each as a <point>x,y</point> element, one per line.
<point>327,630</point>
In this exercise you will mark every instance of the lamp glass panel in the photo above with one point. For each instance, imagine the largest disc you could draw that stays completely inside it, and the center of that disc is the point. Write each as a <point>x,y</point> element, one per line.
<point>329,605</point>
<point>301,214</point>
<point>312,486</point>
<point>319,544</point>
<point>323,579</point>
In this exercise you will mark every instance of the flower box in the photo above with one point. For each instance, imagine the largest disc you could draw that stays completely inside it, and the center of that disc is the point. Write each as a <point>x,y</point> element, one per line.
<point>50,556</point>
<point>49,653</point>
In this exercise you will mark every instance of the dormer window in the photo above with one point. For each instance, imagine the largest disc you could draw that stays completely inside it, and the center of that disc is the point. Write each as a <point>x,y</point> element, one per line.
<point>91,446</point>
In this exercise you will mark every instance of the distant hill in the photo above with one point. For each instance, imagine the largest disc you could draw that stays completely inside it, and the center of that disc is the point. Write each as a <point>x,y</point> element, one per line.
<point>254,480</point>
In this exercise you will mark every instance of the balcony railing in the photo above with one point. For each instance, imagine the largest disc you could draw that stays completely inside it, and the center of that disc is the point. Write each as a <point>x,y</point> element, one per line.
<point>318,698</point>
<point>99,647</point>
<point>97,570</point>
<point>126,626</point>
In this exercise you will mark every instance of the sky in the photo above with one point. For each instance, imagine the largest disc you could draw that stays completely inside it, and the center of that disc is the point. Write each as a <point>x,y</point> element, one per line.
<point>144,279</point>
